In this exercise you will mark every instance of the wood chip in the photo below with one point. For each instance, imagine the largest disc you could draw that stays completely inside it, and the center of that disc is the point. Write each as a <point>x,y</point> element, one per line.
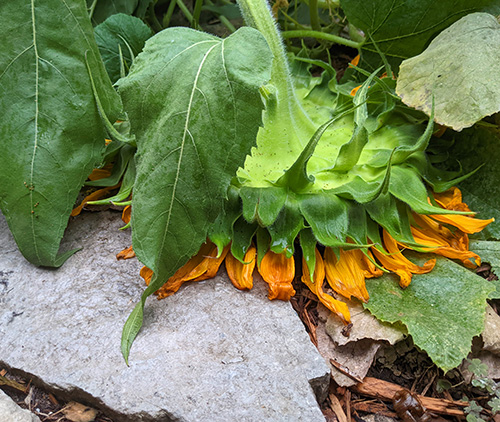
<point>384,390</point>
<point>373,407</point>
<point>337,408</point>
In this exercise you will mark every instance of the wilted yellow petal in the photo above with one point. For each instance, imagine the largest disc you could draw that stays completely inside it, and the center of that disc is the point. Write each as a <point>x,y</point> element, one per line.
<point>194,270</point>
<point>101,173</point>
<point>126,214</point>
<point>241,275</point>
<point>94,196</point>
<point>368,266</point>
<point>278,271</point>
<point>355,61</point>
<point>347,274</point>
<point>212,263</point>
<point>442,241</point>
<point>463,222</point>
<point>396,262</point>
<point>127,253</point>
<point>334,305</point>
<point>146,273</point>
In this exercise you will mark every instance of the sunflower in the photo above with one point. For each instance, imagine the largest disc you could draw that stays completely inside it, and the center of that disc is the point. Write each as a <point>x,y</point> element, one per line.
<point>344,270</point>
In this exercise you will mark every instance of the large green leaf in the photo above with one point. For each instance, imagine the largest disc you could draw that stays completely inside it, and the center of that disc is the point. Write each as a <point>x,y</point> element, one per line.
<point>403,28</point>
<point>51,134</point>
<point>120,38</point>
<point>194,104</point>
<point>490,253</point>
<point>458,71</point>
<point>443,310</point>
<point>103,9</point>
<point>475,147</point>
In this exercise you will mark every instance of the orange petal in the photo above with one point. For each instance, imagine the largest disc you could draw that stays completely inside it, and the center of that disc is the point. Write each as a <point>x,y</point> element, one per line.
<point>398,263</point>
<point>193,270</point>
<point>146,273</point>
<point>101,173</point>
<point>451,199</point>
<point>368,266</point>
<point>241,275</point>
<point>463,222</point>
<point>126,254</point>
<point>278,271</point>
<point>354,90</point>
<point>347,274</point>
<point>334,305</point>
<point>127,211</point>
<point>94,196</point>
<point>355,61</point>
<point>212,264</point>
<point>456,247</point>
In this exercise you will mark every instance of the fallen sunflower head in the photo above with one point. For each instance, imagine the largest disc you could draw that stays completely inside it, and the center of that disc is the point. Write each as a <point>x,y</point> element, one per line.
<point>359,193</point>
<point>344,270</point>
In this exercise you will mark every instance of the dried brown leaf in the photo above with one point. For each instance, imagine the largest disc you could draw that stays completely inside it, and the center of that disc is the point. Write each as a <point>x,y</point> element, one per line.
<point>77,412</point>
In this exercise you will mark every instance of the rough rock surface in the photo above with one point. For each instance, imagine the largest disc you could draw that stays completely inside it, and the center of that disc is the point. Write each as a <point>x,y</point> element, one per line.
<point>11,412</point>
<point>210,352</point>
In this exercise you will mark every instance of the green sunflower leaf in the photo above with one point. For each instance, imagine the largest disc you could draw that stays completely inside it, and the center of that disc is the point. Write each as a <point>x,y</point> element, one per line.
<point>120,39</point>
<point>459,70</point>
<point>475,146</point>
<point>402,28</point>
<point>51,134</point>
<point>442,310</point>
<point>103,9</point>
<point>193,128</point>
<point>490,253</point>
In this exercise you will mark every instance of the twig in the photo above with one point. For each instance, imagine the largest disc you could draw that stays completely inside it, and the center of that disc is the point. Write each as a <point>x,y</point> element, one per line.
<point>345,370</point>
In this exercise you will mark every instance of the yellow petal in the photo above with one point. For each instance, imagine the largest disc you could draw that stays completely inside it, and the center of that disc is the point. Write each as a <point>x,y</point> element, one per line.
<point>241,275</point>
<point>463,222</point>
<point>398,263</point>
<point>101,173</point>
<point>334,305</point>
<point>347,274</point>
<point>278,272</point>
<point>94,196</point>
<point>127,253</point>
<point>212,263</point>
<point>193,270</point>
<point>454,247</point>
<point>126,214</point>
<point>355,61</point>
<point>146,273</point>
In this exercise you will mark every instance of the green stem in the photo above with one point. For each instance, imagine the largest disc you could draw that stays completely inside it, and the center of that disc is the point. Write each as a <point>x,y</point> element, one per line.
<point>185,10</point>
<point>92,8</point>
<point>155,24</point>
<point>321,36</point>
<point>196,14</point>
<point>170,12</point>
<point>257,14</point>
<point>313,15</point>
<point>225,21</point>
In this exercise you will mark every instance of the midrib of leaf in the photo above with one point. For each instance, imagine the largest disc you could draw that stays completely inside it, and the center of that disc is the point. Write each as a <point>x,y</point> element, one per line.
<point>183,142</point>
<point>30,186</point>
<point>153,80</point>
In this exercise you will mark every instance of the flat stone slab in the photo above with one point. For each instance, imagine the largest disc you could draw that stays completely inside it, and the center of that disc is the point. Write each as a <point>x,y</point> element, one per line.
<point>208,353</point>
<point>11,412</point>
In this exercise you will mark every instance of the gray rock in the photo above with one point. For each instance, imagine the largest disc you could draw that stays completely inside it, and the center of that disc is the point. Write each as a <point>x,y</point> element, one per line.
<point>210,352</point>
<point>11,412</point>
